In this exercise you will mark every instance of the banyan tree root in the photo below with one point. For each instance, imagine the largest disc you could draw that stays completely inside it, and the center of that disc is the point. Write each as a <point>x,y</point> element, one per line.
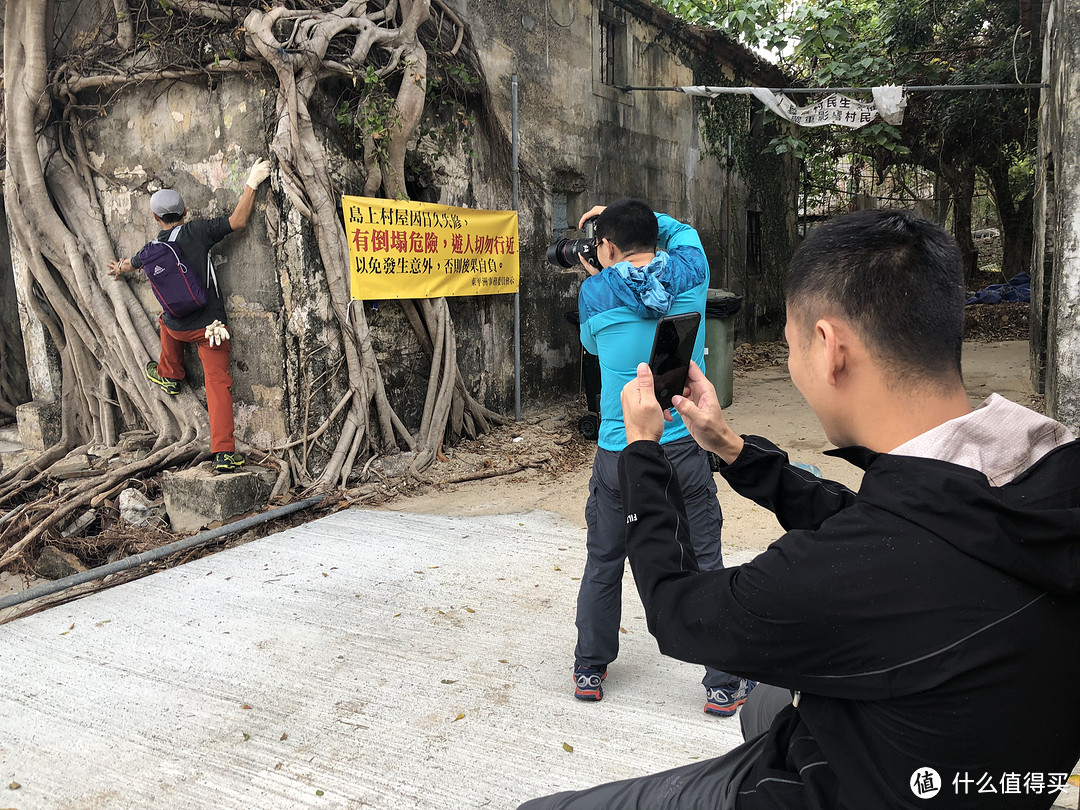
<point>103,334</point>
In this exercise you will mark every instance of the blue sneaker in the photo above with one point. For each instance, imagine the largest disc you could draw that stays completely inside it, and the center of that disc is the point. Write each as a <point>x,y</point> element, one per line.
<point>587,682</point>
<point>723,701</point>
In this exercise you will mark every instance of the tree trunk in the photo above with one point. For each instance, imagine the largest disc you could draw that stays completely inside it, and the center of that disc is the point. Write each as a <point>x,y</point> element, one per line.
<point>1017,228</point>
<point>961,180</point>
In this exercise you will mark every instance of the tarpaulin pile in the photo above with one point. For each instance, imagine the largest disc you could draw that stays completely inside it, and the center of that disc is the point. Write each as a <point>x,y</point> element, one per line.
<point>1016,291</point>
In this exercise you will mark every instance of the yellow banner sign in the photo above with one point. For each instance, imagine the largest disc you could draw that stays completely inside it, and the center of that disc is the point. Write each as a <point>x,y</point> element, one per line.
<point>420,250</point>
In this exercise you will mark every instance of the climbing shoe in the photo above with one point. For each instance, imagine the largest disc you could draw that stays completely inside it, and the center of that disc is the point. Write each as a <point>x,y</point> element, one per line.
<point>170,387</point>
<point>227,462</point>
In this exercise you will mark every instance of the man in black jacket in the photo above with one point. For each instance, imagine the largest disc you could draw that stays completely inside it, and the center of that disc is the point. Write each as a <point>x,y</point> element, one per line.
<point>920,631</point>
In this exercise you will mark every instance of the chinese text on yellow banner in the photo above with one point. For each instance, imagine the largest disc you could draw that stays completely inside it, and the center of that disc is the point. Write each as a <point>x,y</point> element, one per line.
<point>420,250</point>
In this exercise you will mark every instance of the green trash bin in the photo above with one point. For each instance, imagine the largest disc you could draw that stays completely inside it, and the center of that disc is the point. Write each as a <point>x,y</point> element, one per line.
<point>721,307</point>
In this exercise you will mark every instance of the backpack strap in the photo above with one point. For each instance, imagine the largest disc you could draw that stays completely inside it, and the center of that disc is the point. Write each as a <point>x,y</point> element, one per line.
<point>211,275</point>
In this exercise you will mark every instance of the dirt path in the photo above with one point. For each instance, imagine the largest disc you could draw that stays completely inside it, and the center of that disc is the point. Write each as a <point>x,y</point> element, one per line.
<point>766,403</point>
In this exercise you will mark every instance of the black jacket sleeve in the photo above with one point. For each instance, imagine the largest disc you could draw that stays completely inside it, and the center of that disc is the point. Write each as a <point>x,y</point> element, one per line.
<point>776,618</point>
<point>798,498</point>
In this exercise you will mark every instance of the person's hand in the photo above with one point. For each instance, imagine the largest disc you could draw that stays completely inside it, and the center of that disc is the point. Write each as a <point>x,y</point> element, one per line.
<point>641,412</point>
<point>259,172</point>
<point>701,413</point>
<point>595,211</point>
<point>116,268</point>
<point>216,333</point>
<point>591,269</point>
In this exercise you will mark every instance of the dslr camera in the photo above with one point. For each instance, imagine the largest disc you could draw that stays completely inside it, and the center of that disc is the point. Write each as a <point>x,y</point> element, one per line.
<point>565,252</point>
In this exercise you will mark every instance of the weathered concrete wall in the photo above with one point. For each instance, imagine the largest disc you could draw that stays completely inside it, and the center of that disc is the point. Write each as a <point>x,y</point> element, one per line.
<point>202,141</point>
<point>583,141</point>
<point>1056,266</point>
<point>587,142</point>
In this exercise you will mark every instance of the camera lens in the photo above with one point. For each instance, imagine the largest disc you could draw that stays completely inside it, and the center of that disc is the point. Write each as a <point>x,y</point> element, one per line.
<point>556,254</point>
<point>565,252</point>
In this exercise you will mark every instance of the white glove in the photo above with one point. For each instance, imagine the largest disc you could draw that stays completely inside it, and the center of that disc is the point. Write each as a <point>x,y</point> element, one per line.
<point>259,172</point>
<point>216,333</point>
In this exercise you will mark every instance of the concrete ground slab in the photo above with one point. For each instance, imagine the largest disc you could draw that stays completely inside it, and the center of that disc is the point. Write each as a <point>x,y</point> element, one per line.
<point>364,660</point>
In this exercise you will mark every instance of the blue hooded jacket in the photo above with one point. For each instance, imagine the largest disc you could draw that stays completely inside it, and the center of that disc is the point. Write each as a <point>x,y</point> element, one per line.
<point>619,308</point>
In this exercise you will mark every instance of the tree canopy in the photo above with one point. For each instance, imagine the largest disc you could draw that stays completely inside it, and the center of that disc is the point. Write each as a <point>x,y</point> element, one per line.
<point>954,135</point>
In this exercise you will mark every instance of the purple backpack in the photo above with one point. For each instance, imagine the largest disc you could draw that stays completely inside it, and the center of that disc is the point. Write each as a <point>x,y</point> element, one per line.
<point>179,291</point>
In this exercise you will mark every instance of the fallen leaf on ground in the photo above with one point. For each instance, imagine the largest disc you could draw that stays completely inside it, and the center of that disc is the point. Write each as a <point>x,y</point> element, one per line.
<point>284,735</point>
<point>568,748</point>
<point>246,736</point>
<point>447,680</point>
<point>469,610</point>
<point>14,786</point>
<point>622,629</point>
<point>244,706</point>
<point>461,716</point>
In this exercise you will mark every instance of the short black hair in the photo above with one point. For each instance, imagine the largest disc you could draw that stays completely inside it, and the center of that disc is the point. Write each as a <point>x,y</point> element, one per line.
<point>630,225</point>
<point>897,278</point>
<point>169,219</point>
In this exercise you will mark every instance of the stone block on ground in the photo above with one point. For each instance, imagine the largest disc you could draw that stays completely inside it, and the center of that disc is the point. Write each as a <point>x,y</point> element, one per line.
<point>39,424</point>
<point>197,497</point>
<point>52,563</point>
<point>73,466</point>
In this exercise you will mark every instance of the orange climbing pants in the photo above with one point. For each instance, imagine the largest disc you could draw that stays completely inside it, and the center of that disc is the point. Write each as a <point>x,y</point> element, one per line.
<point>215,363</point>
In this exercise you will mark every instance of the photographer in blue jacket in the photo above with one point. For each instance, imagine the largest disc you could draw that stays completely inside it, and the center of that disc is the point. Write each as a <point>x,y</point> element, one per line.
<point>650,265</point>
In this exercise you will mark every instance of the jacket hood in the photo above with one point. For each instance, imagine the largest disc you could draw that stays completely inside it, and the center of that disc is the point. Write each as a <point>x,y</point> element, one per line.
<point>1029,528</point>
<point>642,289</point>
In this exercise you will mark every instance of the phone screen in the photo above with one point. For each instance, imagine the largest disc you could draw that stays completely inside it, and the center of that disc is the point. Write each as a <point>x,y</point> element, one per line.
<point>673,348</point>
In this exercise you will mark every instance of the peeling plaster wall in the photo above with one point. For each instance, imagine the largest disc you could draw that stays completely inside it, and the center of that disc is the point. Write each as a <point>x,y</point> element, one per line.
<point>202,141</point>
<point>1056,266</point>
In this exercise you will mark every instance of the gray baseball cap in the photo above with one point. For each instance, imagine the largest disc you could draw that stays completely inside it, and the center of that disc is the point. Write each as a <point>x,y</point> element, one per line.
<point>167,201</point>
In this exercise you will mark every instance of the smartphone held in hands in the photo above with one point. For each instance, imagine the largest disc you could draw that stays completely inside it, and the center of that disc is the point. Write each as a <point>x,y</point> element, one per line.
<point>673,348</point>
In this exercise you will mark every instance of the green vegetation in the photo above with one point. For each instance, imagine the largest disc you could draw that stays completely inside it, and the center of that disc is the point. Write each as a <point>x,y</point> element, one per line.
<point>963,138</point>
